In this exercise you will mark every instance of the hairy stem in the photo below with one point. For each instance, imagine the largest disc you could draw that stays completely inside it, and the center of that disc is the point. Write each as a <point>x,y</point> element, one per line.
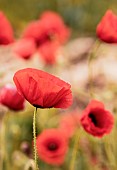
<point>34,138</point>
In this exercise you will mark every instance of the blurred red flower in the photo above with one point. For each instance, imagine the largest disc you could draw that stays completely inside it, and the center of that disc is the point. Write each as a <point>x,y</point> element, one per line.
<point>6,31</point>
<point>96,120</point>
<point>69,122</point>
<point>42,89</point>
<point>107,28</point>
<point>10,97</point>
<point>52,146</point>
<point>50,27</point>
<point>25,48</point>
<point>55,27</point>
<point>35,30</point>
<point>48,52</point>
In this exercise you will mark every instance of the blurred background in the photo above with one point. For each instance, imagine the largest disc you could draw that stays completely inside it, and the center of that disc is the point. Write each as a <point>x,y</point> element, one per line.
<point>81,15</point>
<point>72,65</point>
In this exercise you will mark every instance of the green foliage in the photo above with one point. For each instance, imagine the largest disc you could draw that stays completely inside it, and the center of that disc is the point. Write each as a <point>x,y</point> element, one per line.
<point>17,130</point>
<point>80,15</point>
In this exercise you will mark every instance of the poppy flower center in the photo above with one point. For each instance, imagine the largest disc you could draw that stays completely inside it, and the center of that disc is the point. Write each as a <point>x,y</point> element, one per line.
<point>51,36</point>
<point>52,146</point>
<point>94,119</point>
<point>38,106</point>
<point>41,107</point>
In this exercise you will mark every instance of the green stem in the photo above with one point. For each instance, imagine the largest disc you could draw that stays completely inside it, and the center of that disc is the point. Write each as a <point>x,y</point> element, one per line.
<point>4,161</point>
<point>34,138</point>
<point>91,57</point>
<point>2,147</point>
<point>75,149</point>
<point>109,152</point>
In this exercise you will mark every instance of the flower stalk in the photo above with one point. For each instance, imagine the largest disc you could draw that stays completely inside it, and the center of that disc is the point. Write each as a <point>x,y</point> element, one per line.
<point>75,149</point>
<point>91,57</point>
<point>34,138</point>
<point>4,155</point>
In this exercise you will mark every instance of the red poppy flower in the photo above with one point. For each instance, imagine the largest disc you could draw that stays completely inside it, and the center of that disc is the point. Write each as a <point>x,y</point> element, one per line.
<point>69,122</point>
<point>25,48</point>
<point>35,30</point>
<point>96,120</point>
<point>50,27</point>
<point>52,146</point>
<point>10,97</point>
<point>48,52</point>
<point>54,26</point>
<point>107,28</point>
<point>6,31</point>
<point>42,89</point>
